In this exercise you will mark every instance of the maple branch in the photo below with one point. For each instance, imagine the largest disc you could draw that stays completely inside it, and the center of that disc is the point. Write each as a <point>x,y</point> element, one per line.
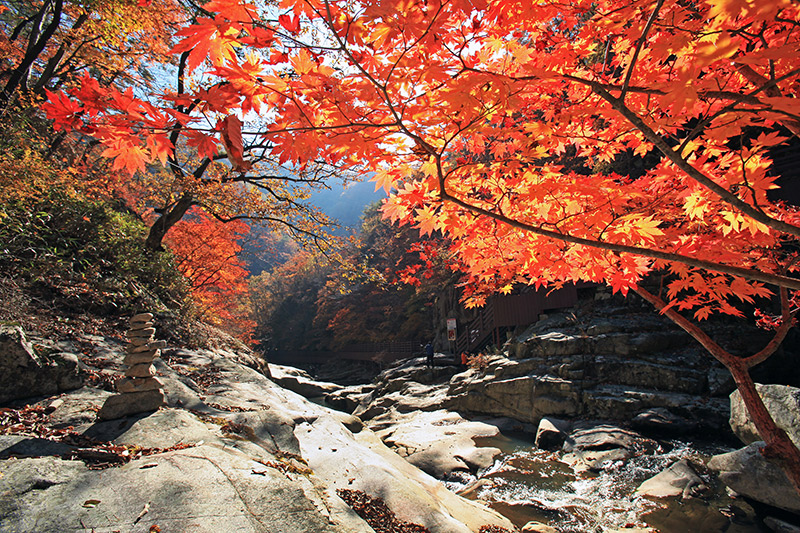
<point>36,46</point>
<point>54,61</point>
<point>687,168</point>
<point>764,277</point>
<point>639,45</point>
<point>787,321</point>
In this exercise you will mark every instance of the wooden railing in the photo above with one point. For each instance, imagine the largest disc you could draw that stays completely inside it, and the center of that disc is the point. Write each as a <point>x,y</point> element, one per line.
<point>474,334</point>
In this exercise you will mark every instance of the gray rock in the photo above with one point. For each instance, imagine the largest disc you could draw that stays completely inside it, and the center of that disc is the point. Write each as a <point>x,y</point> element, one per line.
<point>720,382</point>
<point>24,446</point>
<point>141,317</point>
<point>591,436</point>
<point>537,527</point>
<point>141,357</point>
<point>348,398</point>
<point>437,442</point>
<point>660,421</point>
<point>680,479</point>
<point>782,402</point>
<point>141,333</point>
<point>164,428</point>
<point>299,381</point>
<point>780,526</point>
<point>127,384</point>
<point>131,403</point>
<point>142,370</point>
<point>201,489</point>
<point>147,347</point>
<point>524,398</point>
<point>263,458</point>
<point>550,435</point>
<point>748,473</point>
<point>594,447</point>
<point>24,374</point>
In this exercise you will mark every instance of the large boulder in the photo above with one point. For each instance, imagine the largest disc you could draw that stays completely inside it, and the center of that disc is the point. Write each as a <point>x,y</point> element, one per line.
<point>782,402</point>
<point>437,442</point>
<point>348,398</point>
<point>300,381</point>
<point>594,446</point>
<point>24,374</point>
<point>524,398</point>
<point>680,479</point>
<point>551,433</point>
<point>748,473</point>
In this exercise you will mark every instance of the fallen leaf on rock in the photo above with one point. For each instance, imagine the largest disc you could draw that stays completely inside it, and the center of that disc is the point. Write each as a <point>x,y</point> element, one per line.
<point>144,512</point>
<point>91,503</point>
<point>148,465</point>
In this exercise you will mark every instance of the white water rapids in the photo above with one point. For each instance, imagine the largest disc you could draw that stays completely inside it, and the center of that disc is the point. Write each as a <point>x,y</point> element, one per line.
<point>527,484</point>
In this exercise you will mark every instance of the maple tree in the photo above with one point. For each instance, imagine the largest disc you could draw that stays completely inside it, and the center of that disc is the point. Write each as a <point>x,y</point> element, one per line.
<point>206,252</point>
<point>463,108</point>
<point>114,58</point>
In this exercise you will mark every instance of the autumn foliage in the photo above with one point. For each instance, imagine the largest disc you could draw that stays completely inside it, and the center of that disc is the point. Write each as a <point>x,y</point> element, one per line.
<point>600,140</point>
<point>207,254</point>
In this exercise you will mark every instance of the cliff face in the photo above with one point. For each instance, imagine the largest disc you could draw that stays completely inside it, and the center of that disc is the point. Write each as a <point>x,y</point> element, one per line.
<point>231,451</point>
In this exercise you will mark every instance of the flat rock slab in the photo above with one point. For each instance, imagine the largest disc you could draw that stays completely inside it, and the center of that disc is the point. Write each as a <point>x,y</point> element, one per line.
<point>438,442</point>
<point>202,489</point>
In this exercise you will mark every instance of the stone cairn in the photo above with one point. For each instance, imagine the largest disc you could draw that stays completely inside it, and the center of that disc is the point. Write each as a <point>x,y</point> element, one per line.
<point>139,391</point>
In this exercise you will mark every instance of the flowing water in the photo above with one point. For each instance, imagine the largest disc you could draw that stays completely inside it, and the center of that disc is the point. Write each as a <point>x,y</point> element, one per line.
<point>528,484</point>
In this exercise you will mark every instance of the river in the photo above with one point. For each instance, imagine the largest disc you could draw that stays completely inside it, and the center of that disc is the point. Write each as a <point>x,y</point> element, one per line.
<point>527,484</point>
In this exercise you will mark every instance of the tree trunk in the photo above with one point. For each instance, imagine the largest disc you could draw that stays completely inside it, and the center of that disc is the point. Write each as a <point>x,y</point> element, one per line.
<point>55,61</point>
<point>168,218</point>
<point>779,447</point>
<point>36,45</point>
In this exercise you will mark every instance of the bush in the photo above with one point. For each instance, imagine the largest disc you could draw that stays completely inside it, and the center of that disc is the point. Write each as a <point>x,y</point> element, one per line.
<point>87,252</point>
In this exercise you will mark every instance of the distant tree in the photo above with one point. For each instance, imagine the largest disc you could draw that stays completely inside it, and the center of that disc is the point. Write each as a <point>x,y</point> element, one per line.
<point>384,285</point>
<point>46,44</point>
<point>207,254</point>
<point>284,303</point>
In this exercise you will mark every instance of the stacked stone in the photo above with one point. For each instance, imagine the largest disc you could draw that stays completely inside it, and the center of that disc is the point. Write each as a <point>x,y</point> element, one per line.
<point>140,390</point>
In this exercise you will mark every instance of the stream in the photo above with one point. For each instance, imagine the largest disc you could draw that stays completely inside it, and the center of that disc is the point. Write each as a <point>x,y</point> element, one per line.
<point>528,484</point>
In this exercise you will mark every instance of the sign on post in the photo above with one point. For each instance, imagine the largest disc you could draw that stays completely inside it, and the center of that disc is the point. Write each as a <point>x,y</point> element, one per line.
<point>451,329</point>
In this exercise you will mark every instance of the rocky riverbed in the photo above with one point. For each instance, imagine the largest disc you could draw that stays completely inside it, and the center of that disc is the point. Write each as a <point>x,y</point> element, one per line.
<point>231,451</point>
<point>571,429</point>
<point>654,472</point>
